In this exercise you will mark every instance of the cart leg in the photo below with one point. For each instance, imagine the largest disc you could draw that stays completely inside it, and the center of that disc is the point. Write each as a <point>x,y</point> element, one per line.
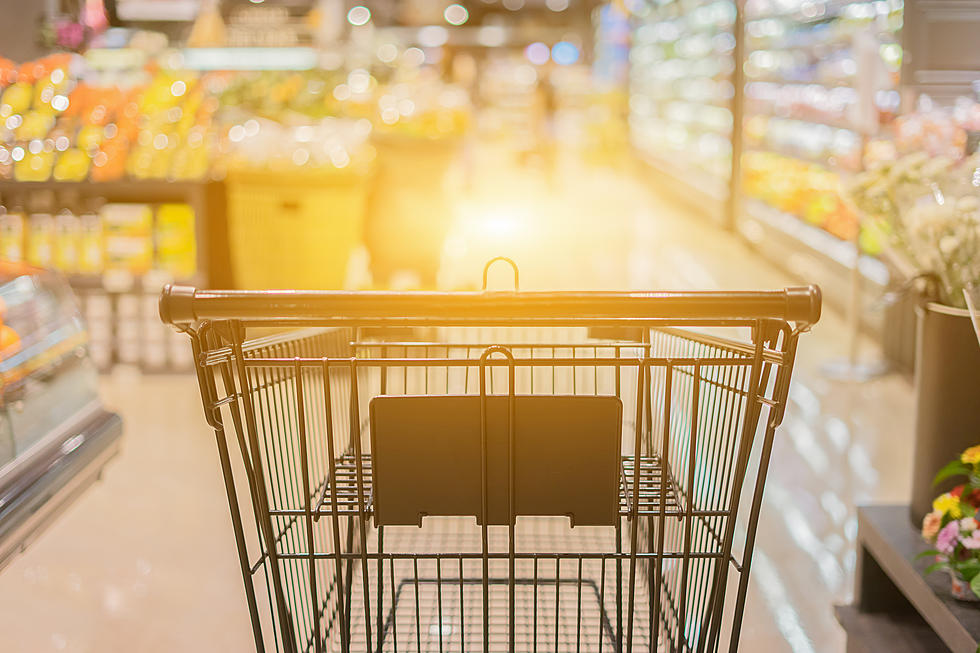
<point>350,577</point>
<point>619,586</point>
<point>381,589</point>
<point>650,579</point>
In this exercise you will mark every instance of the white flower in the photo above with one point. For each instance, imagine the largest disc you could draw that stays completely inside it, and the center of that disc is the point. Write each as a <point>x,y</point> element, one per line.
<point>935,167</point>
<point>948,245</point>
<point>968,204</point>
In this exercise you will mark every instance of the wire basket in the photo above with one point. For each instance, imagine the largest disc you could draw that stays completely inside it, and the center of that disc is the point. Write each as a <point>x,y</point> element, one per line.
<point>494,471</point>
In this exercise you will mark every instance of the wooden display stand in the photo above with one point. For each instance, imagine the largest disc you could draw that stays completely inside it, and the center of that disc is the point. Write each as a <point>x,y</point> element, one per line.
<point>896,609</point>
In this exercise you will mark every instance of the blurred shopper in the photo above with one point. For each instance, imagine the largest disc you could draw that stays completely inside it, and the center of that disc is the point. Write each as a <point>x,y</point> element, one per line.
<point>545,108</point>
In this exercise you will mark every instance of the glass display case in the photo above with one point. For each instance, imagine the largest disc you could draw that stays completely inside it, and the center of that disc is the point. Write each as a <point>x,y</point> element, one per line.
<point>55,437</point>
<point>822,77</point>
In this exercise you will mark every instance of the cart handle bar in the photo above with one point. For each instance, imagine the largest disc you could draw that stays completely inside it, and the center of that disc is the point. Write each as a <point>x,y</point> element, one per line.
<point>184,305</point>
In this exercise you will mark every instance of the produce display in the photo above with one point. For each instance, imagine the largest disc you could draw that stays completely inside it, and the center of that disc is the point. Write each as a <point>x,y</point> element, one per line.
<point>952,132</point>
<point>278,94</point>
<point>804,189</point>
<point>808,66</point>
<point>61,120</point>
<point>54,125</point>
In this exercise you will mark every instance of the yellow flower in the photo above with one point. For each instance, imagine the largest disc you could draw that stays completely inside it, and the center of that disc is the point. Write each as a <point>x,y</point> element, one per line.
<point>971,456</point>
<point>947,504</point>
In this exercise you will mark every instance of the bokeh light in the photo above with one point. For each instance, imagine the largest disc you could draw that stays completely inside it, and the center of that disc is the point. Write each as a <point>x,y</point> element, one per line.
<point>537,53</point>
<point>359,15</point>
<point>456,14</point>
<point>564,53</point>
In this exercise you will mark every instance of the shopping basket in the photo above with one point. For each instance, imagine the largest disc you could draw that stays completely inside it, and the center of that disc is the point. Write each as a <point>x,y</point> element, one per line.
<point>494,471</point>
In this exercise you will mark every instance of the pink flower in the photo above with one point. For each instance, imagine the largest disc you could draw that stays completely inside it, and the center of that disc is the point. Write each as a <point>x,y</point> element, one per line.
<point>973,541</point>
<point>946,540</point>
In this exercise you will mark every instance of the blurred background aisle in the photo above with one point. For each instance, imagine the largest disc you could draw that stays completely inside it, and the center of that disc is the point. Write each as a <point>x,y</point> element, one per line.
<point>400,144</point>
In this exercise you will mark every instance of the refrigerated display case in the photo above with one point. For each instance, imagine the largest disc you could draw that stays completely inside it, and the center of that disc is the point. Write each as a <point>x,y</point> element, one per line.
<point>821,79</point>
<point>55,436</point>
<point>681,91</point>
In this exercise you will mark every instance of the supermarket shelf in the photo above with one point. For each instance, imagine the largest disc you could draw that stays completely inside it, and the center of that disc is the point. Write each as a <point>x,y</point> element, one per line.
<point>206,197</point>
<point>121,281</point>
<point>832,9</point>
<point>816,47</point>
<point>831,161</point>
<point>817,240</point>
<point>760,108</point>
<point>147,190</point>
<point>812,80</point>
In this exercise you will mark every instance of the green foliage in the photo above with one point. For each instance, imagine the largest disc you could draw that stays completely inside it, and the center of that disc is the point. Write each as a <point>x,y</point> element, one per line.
<point>953,468</point>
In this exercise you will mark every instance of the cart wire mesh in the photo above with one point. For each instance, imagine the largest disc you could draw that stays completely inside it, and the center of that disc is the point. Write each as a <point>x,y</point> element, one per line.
<point>290,384</point>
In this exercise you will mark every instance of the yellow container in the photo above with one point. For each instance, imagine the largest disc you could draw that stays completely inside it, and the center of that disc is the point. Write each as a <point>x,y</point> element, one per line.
<point>294,229</point>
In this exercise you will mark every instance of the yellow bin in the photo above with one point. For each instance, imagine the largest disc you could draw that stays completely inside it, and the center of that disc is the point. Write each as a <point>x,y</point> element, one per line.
<point>294,229</point>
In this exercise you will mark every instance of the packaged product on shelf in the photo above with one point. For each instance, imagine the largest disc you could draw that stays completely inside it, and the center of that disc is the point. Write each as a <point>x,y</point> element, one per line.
<point>12,230</point>
<point>154,340</point>
<point>97,310</point>
<point>67,237</point>
<point>90,246</point>
<point>40,232</point>
<point>176,251</point>
<point>128,238</point>
<point>129,328</point>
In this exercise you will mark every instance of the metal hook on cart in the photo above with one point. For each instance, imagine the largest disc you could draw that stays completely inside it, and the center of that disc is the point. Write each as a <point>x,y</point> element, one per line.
<point>509,261</point>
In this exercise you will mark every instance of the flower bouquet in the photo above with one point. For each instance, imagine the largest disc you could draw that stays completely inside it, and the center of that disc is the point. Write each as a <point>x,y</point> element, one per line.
<point>953,527</point>
<point>928,209</point>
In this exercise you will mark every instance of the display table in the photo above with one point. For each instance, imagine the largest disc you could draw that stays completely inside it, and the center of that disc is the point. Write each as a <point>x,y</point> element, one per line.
<point>895,608</point>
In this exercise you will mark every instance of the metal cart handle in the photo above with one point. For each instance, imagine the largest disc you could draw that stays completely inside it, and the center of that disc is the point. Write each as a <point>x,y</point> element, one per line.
<point>183,305</point>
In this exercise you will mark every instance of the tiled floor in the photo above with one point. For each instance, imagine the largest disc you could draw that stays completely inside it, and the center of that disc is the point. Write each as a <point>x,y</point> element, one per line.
<point>145,561</point>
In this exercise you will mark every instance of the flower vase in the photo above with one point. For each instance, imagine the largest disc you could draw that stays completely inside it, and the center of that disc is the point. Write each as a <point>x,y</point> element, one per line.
<point>961,589</point>
<point>947,388</point>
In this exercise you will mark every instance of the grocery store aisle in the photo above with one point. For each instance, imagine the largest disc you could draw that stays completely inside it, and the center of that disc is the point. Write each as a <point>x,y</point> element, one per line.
<point>145,561</point>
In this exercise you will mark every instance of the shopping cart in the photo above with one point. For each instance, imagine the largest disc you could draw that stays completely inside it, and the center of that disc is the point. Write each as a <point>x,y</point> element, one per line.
<point>604,442</point>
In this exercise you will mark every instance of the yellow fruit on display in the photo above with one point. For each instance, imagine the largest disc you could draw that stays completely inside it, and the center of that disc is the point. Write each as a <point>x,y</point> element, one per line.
<point>48,86</point>
<point>72,165</point>
<point>16,98</point>
<point>34,167</point>
<point>90,137</point>
<point>36,125</point>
